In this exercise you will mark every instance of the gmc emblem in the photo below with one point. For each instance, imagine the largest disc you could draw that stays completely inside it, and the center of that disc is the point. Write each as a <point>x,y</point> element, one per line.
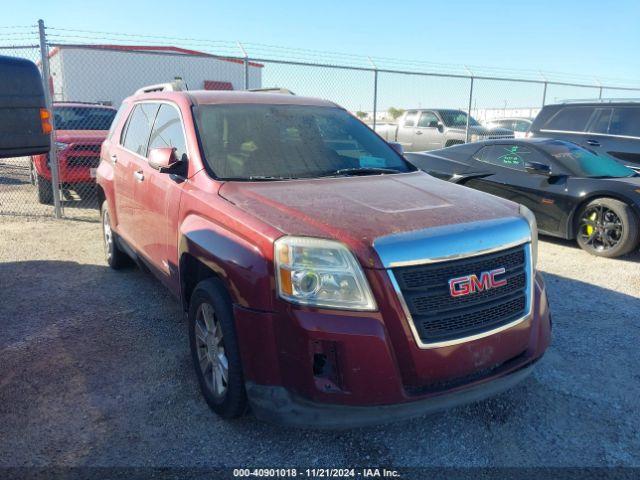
<point>461,286</point>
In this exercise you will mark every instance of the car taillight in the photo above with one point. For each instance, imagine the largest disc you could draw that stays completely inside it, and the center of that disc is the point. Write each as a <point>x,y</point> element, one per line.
<point>45,121</point>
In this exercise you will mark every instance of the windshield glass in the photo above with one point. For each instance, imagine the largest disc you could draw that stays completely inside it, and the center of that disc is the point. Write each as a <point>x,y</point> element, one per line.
<point>583,163</point>
<point>248,142</point>
<point>83,118</point>
<point>457,118</point>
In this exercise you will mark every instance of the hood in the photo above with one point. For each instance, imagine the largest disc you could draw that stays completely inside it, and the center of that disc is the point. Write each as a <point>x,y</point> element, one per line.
<point>90,136</point>
<point>357,210</point>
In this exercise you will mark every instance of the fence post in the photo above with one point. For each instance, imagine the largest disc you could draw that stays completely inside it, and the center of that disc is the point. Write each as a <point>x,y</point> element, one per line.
<point>53,152</point>
<point>466,138</point>
<point>375,92</point>
<point>246,66</point>
<point>544,94</point>
<point>600,94</point>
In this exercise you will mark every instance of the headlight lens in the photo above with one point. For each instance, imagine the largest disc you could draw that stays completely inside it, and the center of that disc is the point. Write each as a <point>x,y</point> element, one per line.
<point>322,273</point>
<point>475,137</point>
<point>61,145</point>
<point>531,218</point>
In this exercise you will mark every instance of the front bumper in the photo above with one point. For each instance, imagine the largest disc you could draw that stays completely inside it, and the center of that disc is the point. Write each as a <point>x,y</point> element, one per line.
<point>381,375</point>
<point>276,404</point>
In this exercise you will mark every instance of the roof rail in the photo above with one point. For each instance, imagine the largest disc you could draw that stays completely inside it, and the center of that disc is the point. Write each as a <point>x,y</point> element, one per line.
<point>600,100</point>
<point>285,91</point>
<point>104,103</point>
<point>178,85</point>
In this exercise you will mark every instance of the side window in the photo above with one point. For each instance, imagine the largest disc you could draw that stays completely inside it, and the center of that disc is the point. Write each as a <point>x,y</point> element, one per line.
<point>625,121</point>
<point>167,131</point>
<point>570,119</point>
<point>600,122</point>
<point>428,119</point>
<point>410,119</point>
<point>116,120</point>
<point>139,126</point>
<point>509,156</point>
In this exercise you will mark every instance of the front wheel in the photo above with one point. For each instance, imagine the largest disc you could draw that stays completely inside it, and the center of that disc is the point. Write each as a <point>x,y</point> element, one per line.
<point>607,228</point>
<point>43,187</point>
<point>215,351</point>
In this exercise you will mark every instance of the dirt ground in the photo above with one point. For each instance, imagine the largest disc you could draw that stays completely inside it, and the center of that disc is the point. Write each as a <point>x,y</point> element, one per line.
<point>95,371</point>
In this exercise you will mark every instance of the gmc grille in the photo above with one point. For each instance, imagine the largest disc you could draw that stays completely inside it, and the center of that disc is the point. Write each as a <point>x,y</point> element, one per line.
<point>440,317</point>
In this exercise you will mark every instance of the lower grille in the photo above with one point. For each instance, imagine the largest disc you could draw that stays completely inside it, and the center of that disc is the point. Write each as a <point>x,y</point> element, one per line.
<point>440,317</point>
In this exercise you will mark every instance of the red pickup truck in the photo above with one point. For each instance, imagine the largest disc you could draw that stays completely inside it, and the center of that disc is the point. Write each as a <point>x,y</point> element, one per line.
<point>80,130</point>
<point>326,280</point>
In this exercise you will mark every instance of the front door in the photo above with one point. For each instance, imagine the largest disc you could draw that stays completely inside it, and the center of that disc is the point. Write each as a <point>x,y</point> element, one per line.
<point>159,197</point>
<point>541,194</point>
<point>428,135</point>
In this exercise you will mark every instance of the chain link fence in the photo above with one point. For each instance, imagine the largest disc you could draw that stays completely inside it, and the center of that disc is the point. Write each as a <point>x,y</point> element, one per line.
<point>90,73</point>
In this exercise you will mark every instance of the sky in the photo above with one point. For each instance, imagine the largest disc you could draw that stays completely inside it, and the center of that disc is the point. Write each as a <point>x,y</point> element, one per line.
<point>590,39</point>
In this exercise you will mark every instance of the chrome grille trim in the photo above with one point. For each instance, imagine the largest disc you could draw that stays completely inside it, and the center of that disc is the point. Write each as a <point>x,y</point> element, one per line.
<point>456,242</point>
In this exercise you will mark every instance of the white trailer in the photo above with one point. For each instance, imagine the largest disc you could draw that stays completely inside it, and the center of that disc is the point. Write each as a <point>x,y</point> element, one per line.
<point>110,73</point>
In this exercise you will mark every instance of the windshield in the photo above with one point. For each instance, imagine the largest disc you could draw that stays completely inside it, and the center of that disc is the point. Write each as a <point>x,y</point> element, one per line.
<point>581,162</point>
<point>83,118</point>
<point>264,142</point>
<point>457,118</point>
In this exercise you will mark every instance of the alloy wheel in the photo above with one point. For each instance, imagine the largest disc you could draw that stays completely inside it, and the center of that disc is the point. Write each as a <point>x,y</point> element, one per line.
<point>212,359</point>
<point>600,228</point>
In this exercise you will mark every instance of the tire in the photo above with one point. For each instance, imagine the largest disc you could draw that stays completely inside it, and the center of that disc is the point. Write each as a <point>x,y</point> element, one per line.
<point>43,187</point>
<point>213,339</point>
<point>114,256</point>
<point>607,227</point>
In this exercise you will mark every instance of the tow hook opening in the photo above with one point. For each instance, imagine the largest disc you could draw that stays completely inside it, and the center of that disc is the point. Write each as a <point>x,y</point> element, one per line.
<point>325,366</point>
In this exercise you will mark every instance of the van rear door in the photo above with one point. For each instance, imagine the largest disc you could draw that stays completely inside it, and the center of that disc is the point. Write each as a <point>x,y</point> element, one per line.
<point>21,101</point>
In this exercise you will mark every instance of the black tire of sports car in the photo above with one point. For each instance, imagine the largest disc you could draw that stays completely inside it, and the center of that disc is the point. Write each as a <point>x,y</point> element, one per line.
<point>630,228</point>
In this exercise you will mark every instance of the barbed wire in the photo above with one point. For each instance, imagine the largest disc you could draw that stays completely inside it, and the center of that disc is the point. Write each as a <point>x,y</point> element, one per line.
<point>262,51</point>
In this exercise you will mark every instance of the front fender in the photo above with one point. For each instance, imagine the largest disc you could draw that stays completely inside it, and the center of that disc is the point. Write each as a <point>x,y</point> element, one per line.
<point>246,271</point>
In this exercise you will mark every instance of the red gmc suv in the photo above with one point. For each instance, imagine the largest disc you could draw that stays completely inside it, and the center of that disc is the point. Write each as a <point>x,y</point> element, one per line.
<point>327,281</point>
<point>80,130</point>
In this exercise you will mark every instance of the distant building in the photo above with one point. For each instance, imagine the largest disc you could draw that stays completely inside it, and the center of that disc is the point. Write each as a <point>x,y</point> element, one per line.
<point>110,73</point>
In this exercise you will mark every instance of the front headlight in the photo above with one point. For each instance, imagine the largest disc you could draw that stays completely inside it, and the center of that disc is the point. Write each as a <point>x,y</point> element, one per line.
<point>531,218</point>
<point>474,137</point>
<point>61,146</point>
<point>321,273</point>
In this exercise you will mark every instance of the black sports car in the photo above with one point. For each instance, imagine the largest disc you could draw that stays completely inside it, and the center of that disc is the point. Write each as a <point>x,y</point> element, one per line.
<point>573,192</point>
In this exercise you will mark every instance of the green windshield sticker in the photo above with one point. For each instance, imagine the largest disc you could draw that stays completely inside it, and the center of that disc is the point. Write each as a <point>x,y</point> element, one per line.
<point>512,157</point>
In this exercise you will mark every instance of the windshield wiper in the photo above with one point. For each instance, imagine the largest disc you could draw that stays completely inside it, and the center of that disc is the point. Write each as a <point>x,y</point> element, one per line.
<point>360,171</point>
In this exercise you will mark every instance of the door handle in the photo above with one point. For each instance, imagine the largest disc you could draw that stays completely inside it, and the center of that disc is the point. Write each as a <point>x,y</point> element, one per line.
<point>593,143</point>
<point>418,132</point>
<point>114,159</point>
<point>139,176</point>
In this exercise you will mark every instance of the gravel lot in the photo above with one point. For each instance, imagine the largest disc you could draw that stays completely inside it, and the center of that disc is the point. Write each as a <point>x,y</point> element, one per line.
<point>95,371</point>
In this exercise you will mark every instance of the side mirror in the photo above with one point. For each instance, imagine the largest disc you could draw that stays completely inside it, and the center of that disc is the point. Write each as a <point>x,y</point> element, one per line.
<point>440,127</point>
<point>163,159</point>
<point>538,168</point>
<point>397,147</point>
<point>25,123</point>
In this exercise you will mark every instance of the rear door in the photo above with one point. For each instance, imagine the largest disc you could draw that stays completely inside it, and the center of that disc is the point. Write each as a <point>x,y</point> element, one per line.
<point>616,132</point>
<point>129,159</point>
<point>158,196</point>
